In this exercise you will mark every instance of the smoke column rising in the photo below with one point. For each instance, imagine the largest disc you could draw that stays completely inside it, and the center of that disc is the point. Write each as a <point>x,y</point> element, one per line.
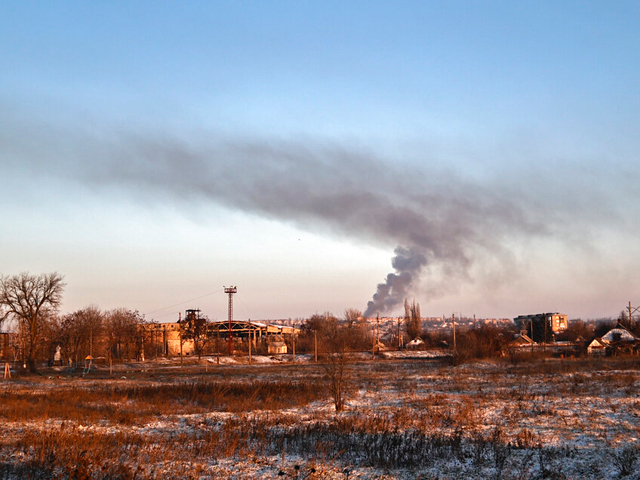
<point>408,263</point>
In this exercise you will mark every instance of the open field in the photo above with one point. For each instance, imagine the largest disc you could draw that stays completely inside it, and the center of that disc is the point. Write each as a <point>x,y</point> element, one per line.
<point>404,418</point>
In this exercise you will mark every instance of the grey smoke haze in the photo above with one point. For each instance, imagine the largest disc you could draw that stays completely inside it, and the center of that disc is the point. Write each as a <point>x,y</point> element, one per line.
<point>436,220</point>
<point>433,220</point>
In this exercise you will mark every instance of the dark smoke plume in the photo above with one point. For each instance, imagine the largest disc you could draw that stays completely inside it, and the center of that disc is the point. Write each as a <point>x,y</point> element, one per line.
<point>437,221</point>
<point>408,263</point>
<point>433,221</point>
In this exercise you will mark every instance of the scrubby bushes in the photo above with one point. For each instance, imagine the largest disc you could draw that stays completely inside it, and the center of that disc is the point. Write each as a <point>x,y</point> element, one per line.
<point>323,332</point>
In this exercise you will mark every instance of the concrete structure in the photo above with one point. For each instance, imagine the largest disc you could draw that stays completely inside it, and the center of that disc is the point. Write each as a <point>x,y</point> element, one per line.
<point>165,339</point>
<point>541,327</point>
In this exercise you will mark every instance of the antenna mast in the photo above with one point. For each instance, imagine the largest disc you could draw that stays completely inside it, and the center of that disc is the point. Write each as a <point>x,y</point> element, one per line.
<point>230,290</point>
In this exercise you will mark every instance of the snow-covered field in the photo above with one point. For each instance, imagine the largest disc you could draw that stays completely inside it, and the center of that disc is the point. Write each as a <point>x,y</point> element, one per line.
<point>404,418</point>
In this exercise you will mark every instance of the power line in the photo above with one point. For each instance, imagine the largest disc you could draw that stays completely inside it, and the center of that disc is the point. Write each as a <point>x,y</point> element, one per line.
<point>243,307</point>
<point>182,303</point>
<point>165,315</point>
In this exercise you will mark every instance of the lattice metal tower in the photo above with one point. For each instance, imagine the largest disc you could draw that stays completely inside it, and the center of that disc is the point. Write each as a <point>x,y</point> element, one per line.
<point>230,290</point>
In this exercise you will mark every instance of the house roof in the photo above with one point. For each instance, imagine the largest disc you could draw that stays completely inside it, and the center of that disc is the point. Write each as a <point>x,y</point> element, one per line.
<point>619,334</point>
<point>597,343</point>
<point>521,339</point>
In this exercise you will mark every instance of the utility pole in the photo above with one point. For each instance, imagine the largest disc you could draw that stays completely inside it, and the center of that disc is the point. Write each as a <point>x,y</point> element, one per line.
<point>631,312</point>
<point>315,346</point>
<point>218,344</point>
<point>376,336</point>
<point>250,341</point>
<point>453,323</point>
<point>373,344</point>
<point>532,340</point>
<point>180,333</point>
<point>547,319</point>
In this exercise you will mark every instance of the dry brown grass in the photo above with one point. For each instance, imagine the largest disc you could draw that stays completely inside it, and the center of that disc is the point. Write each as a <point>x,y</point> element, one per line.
<point>500,420</point>
<point>131,404</point>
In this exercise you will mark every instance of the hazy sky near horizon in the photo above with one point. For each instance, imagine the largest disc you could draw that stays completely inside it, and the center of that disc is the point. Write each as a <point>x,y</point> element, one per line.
<point>153,152</point>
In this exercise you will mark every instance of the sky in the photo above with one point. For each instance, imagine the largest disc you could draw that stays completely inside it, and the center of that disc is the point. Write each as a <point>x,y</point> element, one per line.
<point>478,157</point>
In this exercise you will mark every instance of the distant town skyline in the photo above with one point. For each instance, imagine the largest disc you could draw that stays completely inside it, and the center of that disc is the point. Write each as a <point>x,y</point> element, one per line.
<point>476,157</point>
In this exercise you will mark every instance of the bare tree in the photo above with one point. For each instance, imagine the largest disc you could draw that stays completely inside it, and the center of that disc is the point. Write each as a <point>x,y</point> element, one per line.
<point>352,316</point>
<point>578,330</point>
<point>358,330</point>
<point>412,319</point>
<point>48,341</point>
<point>336,366</point>
<point>75,332</point>
<point>323,330</point>
<point>315,331</point>
<point>122,328</point>
<point>30,300</point>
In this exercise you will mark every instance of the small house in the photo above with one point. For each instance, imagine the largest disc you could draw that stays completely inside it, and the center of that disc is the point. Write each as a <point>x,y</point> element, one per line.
<point>619,334</point>
<point>276,347</point>
<point>597,347</point>
<point>617,341</point>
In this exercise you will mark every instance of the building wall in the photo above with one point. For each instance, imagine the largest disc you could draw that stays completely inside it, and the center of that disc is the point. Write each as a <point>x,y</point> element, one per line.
<point>559,322</point>
<point>277,347</point>
<point>542,326</point>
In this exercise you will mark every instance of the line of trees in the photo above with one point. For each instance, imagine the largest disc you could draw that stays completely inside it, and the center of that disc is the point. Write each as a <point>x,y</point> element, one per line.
<point>31,304</point>
<point>326,332</point>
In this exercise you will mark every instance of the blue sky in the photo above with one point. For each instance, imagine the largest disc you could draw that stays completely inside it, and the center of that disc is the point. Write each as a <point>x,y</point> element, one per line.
<point>153,152</point>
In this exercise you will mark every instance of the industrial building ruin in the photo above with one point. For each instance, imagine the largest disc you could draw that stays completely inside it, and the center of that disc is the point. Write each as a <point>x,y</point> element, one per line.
<point>541,327</point>
<point>169,339</point>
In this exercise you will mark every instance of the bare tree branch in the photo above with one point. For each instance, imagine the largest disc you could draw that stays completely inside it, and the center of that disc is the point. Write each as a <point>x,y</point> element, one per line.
<point>30,300</point>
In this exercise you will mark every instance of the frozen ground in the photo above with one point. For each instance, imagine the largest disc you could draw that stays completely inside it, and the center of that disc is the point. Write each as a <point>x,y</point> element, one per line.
<point>404,418</point>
